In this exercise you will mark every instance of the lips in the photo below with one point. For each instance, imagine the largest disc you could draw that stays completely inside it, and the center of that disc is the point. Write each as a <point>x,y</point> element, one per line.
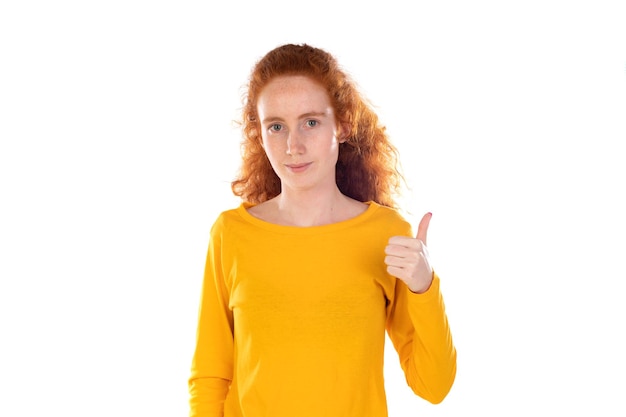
<point>298,167</point>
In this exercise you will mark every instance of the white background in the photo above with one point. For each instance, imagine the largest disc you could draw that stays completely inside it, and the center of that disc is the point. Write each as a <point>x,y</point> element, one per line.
<point>117,150</point>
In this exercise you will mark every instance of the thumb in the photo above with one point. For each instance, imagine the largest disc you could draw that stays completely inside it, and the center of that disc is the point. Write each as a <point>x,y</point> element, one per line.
<point>422,229</point>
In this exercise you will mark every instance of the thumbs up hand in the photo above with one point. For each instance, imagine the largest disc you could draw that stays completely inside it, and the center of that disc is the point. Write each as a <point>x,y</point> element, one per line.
<point>407,258</point>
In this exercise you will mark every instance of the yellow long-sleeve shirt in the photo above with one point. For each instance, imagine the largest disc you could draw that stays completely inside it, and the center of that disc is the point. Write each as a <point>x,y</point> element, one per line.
<point>292,321</point>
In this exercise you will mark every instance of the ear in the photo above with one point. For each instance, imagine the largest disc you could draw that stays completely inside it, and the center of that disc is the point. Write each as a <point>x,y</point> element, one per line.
<point>344,132</point>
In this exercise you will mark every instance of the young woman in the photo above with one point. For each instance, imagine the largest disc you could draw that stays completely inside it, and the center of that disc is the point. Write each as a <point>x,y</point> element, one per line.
<point>304,277</point>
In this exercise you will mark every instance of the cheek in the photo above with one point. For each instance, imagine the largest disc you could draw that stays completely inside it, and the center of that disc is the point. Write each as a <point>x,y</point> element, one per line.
<point>334,146</point>
<point>271,148</point>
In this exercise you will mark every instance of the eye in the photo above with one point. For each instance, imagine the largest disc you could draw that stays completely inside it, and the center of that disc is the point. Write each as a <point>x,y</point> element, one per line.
<point>275,127</point>
<point>311,123</point>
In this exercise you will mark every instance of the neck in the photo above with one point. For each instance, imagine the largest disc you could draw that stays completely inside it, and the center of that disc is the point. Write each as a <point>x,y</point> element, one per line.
<point>310,208</point>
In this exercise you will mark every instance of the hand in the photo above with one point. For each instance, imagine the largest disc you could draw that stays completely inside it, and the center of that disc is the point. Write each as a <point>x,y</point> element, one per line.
<point>407,258</point>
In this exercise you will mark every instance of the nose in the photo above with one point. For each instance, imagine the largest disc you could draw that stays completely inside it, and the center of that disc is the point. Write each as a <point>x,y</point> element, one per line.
<point>295,145</point>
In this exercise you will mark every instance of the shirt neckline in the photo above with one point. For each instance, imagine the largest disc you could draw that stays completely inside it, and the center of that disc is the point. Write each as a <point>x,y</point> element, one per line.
<point>242,210</point>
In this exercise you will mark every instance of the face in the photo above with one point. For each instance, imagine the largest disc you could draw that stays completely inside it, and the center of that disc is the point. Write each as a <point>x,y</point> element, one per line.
<point>299,132</point>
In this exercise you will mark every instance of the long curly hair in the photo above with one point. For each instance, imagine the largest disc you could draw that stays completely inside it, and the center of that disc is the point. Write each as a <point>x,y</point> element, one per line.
<point>368,165</point>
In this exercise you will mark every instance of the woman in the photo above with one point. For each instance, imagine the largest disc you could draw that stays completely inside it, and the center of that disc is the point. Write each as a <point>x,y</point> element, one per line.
<point>303,279</point>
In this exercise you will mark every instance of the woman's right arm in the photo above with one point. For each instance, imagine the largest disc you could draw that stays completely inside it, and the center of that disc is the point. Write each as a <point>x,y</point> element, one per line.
<point>212,364</point>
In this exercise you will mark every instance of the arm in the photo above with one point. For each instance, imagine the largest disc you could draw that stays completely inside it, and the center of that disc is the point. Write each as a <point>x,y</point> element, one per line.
<point>418,328</point>
<point>417,323</point>
<point>212,364</point>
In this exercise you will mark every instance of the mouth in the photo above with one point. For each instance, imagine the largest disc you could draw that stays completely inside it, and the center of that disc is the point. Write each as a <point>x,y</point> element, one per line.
<point>298,167</point>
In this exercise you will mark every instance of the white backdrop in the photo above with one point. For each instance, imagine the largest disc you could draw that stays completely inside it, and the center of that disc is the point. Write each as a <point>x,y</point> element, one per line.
<point>117,150</point>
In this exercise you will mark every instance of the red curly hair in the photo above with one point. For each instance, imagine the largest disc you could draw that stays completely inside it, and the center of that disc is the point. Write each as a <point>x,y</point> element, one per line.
<point>367,166</point>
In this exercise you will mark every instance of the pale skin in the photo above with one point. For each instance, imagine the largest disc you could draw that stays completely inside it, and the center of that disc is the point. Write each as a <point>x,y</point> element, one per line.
<point>301,138</point>
<point>407,258</point>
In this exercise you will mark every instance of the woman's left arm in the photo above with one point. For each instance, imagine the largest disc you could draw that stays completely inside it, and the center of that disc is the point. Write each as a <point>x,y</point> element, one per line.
<point>417,323</point>
<point>418,327</point>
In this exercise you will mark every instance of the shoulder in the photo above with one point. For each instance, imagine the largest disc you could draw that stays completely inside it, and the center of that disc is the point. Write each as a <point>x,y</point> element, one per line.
<point>389,218</point>
<point>227,219</point>
<point>265,211</point>
<point>386,211</point>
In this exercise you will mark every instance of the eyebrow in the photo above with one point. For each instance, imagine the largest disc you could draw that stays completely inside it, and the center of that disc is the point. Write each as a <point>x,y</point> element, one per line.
<point>302,116</point>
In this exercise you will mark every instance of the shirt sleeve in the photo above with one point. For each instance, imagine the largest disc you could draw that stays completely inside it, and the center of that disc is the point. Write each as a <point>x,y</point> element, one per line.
<point>417,325</point>
<point>212,364</point>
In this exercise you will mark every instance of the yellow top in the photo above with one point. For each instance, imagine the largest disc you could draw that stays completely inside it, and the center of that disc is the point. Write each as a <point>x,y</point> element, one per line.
<point>292,321</point>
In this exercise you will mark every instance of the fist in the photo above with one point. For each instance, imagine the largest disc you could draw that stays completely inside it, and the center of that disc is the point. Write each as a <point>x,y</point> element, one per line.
<point>407,258</point>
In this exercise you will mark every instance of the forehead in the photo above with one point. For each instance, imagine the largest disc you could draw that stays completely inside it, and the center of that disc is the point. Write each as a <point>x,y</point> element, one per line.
<point>293,92</point>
